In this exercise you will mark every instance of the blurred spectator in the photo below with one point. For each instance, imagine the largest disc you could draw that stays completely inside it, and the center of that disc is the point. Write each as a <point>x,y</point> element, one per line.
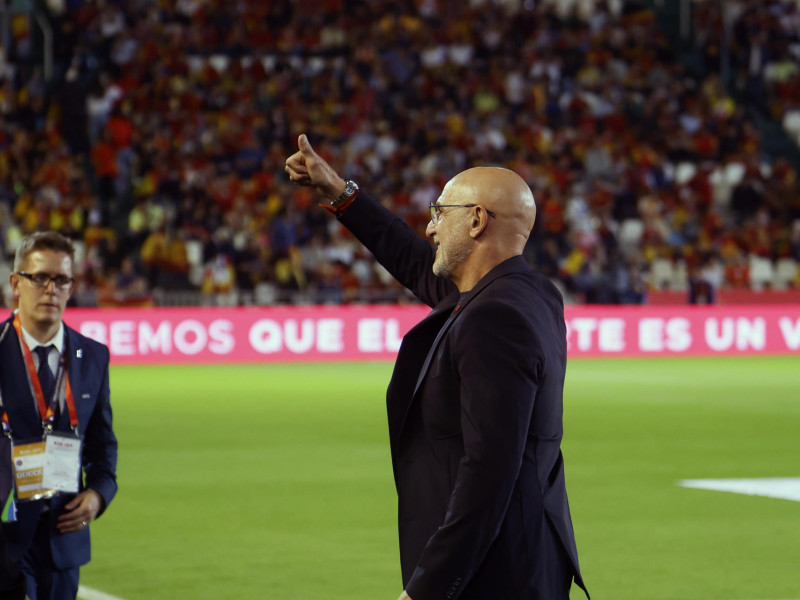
<point>737,271</point>
<point>704,281</point>
<point>747,197</point>
<point>71,98</point>
<point>130,287</point>
<point>219,281</point>
<point>176,266</point>
<point>795,240</point>
<point>106,170</point>
<point>155,257</point>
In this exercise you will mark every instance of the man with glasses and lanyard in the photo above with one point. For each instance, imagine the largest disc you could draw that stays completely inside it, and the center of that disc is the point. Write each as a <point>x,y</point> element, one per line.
<point>58,454</point>
<point>475,402</point>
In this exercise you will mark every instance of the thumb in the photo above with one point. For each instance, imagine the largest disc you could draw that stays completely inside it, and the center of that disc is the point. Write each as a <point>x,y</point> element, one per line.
<point>304,145</point>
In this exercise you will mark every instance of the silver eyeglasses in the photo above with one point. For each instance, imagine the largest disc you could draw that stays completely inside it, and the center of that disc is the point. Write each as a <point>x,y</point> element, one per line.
<point>42,280</point>
<point>436,210</point>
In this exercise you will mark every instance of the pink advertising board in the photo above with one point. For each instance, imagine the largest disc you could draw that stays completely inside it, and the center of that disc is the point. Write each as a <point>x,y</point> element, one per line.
<point>346,333</point>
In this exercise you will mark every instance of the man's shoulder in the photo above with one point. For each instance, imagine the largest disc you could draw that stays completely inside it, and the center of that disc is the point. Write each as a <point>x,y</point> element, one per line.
<point>78,341</point>
<point>6,327</point>
<point>526,286</point>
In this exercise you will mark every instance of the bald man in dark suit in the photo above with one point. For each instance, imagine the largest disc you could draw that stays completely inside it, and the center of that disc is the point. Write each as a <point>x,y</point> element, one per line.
<point>476,399</point>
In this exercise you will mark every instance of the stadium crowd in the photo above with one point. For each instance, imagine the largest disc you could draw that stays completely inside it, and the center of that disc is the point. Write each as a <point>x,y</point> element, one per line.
<point>159,143</point>
<point>765,51</point>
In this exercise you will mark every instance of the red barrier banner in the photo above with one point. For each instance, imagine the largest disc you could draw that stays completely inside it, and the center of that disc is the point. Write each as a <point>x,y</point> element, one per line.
<point>685,330</point>
<point>346,333</point>
<point>247,334</point>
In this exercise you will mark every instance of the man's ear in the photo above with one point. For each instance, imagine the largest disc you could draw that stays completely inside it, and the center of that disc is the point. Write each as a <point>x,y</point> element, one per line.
<point>480,218</point>
<point>13,279</point>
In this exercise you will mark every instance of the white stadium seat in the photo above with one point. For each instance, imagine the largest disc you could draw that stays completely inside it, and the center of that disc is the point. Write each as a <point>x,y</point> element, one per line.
<point>630,234</point>
<point>785,273</point>
<point>762,273</point>
<point>662,273</point>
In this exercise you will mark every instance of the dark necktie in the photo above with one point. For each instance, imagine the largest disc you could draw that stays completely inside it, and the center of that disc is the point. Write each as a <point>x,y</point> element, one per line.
<point>46,378</point>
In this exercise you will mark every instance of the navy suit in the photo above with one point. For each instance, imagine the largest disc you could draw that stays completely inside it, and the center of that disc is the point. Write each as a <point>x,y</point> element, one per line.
<point>475,422</point>
<point>12,581</point>
<point>87,362</point>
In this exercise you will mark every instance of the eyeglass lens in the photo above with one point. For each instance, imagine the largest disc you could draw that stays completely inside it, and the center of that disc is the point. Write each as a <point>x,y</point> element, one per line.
<point>42,280</point>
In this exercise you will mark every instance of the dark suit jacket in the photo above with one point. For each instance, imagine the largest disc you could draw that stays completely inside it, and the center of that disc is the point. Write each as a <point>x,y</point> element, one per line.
<point>12,581</point>
<point>475,424</point>
<point>88,375</point>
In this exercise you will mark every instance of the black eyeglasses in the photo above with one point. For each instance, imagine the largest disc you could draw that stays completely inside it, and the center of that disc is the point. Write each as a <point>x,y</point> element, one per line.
<point>436,210</point>
<point>42,280</point>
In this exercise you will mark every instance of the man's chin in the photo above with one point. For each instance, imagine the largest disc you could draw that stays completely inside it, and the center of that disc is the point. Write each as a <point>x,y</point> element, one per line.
<point>438,270</point>
<point>47,315</point>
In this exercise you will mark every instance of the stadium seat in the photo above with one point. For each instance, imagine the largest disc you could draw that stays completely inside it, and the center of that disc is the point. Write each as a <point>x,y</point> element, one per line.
<point>762,272</point>
<point>785,273</point>
<point>723,179</point>
<point>219,62</point>
<point>684,172</point>
<point>80,256</point>
<point>194,254</point>
<point>680,275</point>
<point>662,274</point>
<point>630,234</point>
<point>265,294</point>
<point>791,123</point>
<point>5,285</point>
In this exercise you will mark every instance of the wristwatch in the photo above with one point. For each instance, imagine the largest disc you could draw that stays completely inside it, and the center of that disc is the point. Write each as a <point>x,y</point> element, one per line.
<point>346,197</point>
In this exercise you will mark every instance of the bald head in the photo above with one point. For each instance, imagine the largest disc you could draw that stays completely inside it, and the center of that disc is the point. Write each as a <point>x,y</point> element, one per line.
<point>504,193</point>
<point>485,218</point>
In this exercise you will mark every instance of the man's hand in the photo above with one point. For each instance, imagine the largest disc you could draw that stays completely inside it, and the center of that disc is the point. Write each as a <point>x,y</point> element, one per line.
<point>308,168</point>
<point>404,596</point>
<point>81,511</point>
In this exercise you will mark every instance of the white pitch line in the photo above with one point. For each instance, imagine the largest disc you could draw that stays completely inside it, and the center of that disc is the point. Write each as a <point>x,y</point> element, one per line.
<point>85,593</point>
<point>785,488</point>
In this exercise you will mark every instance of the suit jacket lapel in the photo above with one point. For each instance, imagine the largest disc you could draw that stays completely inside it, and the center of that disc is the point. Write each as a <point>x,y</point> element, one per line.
<point>500,270</point>
<point>453,314</point>
<point>409,360</point>
<point>400,394</point>
<point>511,265</point>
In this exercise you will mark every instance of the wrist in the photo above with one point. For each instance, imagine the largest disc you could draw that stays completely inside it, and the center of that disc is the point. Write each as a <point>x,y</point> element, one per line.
<point>347,194</point>
<point>337,190</point>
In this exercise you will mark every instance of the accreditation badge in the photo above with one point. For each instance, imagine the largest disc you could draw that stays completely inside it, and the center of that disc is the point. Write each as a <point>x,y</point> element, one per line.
<point>62,462</point>
<point>27,459</point>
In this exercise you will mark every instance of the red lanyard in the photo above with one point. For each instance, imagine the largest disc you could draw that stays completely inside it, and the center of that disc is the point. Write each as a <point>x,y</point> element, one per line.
<point>47,410</point>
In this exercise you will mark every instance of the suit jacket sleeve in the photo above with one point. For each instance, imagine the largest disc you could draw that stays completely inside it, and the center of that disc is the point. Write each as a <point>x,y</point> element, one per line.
<point>498,357</point>
<point>100,447</point>
<point>407,256</point>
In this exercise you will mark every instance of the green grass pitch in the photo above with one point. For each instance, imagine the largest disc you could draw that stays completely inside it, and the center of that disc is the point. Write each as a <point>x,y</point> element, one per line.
<point>274,481</point>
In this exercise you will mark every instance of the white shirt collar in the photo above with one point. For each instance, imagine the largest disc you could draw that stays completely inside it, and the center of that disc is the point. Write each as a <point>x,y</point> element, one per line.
<point>57,340</point>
